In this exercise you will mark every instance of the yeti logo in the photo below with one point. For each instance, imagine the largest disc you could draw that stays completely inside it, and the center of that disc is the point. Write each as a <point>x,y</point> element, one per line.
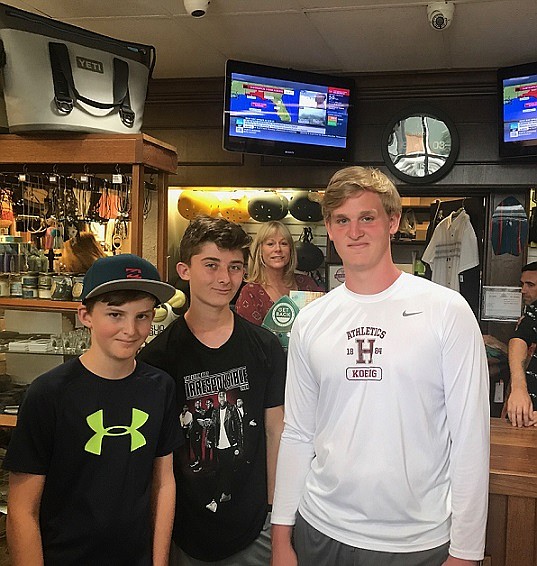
<point>89,65</point>
<point>95,421</point>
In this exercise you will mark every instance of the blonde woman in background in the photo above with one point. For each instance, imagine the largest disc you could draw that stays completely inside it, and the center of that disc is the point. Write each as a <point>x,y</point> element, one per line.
<point>271,272</point>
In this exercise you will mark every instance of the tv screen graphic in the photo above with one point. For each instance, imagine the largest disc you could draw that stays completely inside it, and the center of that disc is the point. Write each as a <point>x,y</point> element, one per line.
<point>283,112</point>
<point>518,110</point>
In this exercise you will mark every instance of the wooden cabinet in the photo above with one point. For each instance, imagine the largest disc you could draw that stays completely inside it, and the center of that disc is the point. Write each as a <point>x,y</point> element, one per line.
<point>69,154</point>
<point>137,155</point>
<point>512,520</point>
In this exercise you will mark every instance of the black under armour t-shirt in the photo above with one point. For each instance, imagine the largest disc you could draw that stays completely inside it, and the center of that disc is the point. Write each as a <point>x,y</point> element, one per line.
<point>95,440</point>
<point>221,470</point>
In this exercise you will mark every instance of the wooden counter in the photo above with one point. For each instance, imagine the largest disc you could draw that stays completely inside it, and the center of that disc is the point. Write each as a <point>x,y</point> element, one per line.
<point>512,521</point>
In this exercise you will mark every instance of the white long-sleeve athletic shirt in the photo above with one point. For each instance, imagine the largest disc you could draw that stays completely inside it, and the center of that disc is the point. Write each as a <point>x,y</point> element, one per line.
<point>386,440</point>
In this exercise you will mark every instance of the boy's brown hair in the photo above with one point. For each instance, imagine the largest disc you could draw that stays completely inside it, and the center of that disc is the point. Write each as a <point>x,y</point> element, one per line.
<point>205,229</point>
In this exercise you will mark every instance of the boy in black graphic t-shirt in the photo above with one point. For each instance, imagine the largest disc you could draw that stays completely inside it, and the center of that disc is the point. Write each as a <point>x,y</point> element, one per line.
<point>234,368</point>
<point>90,461</point>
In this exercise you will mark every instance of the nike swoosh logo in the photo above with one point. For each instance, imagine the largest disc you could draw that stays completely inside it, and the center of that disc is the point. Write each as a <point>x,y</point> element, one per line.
<point>411,313</point>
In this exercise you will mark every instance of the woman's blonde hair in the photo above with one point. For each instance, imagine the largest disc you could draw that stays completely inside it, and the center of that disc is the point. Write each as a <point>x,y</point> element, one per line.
<point>256,266</point>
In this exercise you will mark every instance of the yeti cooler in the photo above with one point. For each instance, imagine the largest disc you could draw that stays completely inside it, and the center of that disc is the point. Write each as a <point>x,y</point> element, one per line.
<point>58,77</point>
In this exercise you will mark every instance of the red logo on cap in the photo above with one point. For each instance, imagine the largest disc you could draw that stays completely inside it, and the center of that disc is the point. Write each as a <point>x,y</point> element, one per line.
<point>133,273</point>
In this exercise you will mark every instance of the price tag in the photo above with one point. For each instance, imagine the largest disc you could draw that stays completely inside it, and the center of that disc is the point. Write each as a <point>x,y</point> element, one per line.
<point>117,178</point>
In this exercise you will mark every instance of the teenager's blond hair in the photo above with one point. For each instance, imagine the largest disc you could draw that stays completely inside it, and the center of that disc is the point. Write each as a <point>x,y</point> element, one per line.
<point>350,181</point>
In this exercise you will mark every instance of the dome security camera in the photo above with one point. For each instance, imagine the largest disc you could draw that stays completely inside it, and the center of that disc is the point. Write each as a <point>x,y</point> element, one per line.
<point>197,8</point>
<point>440,14</point>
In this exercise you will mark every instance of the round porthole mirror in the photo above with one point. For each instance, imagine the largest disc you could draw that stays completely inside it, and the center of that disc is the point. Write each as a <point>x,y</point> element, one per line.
<point>420,145</point>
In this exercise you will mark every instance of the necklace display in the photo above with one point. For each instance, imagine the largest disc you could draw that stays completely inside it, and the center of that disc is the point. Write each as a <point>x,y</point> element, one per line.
<point>42,207</point>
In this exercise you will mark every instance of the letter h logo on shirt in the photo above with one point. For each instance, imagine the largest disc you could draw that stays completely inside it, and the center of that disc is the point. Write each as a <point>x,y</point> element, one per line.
<point>365,351</point>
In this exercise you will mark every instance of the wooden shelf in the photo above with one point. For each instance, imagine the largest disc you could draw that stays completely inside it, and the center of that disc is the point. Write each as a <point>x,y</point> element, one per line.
<point>98,154</point>
<point>8,420</point>
<point>38,304</point>
<point>88,149</point>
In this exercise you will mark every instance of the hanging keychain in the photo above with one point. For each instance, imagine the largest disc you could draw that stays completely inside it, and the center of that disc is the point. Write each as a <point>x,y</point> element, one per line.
<point>148,187</point>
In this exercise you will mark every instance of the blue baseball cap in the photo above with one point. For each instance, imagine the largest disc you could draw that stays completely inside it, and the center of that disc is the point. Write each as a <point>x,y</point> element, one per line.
<point>122,273</point>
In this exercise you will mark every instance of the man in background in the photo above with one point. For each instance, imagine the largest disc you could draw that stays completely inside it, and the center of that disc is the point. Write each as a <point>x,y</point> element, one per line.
<point>522,401</point>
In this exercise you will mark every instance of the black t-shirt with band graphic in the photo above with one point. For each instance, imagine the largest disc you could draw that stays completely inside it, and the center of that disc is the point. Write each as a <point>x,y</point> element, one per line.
<point>221,470</point>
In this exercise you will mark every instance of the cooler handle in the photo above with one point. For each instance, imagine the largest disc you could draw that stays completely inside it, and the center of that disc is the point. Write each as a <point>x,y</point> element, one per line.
<point>65,92</point>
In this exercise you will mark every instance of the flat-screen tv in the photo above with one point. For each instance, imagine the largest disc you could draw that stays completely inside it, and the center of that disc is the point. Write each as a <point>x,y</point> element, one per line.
<point>517,120</point>
<point>286,113</point>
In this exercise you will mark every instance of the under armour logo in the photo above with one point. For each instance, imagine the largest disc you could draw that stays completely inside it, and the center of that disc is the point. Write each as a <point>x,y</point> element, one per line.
<point>411,313</point>
<point>96,423</point>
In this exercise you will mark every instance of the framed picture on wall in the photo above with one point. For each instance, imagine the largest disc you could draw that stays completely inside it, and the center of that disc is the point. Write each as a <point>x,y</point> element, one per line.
<point>335,275</point>
<point>502,304</point>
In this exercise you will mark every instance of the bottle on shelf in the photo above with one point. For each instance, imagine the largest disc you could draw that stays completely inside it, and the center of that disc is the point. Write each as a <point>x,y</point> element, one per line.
<point>50,257</point>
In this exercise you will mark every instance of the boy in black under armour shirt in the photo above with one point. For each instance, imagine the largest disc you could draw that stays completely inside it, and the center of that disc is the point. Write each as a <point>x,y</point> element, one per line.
<point>90,461</point>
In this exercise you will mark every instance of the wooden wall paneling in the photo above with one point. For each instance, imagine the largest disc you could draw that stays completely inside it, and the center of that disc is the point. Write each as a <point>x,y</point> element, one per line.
<point>253,174</point>
<point>187,103</point>
<point>520,539</point>
<point>180,107</point>
<point>187,115</point>
<point>200,146</point>
<point>496,529</point>
<point>477,143</point>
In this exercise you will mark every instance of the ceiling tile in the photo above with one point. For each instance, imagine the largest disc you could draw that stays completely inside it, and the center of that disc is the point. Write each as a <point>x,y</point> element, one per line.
<point>318,35</point>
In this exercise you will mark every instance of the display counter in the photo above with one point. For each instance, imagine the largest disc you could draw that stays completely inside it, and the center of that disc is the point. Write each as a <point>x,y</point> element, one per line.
<point>512,521</point>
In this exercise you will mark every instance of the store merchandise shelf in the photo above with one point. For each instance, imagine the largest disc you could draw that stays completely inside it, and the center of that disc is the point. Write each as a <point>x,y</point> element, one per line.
<point>8,420</point>
<point>38,304</point>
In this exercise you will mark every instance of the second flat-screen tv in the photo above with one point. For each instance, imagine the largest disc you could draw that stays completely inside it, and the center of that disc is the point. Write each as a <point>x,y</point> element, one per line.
<point>286,113</point>
<point>517,110</point>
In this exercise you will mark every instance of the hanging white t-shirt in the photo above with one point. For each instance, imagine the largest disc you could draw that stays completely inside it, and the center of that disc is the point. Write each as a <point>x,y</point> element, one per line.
<point>452,250</point>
